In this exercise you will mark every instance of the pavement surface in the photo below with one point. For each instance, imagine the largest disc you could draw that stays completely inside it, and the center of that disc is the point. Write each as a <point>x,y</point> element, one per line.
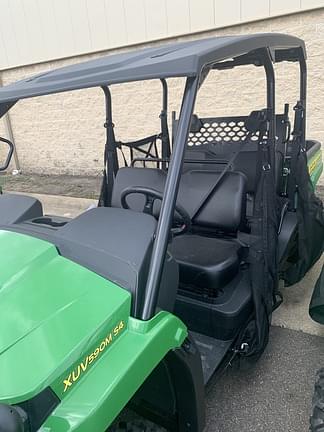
<point>63,205</point>
<point>274,396</point>
<point>63,185</point>
<point>293,313</point>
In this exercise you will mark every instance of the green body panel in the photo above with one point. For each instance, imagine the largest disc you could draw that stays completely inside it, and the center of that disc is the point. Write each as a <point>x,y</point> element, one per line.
<point>102,393</point>
<point>51,311</point>
<point>315,167</point>
<point>67,328</point>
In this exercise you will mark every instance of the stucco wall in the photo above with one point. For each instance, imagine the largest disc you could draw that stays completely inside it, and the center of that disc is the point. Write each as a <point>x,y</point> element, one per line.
<point>64,133</point>
<point>34,31</point>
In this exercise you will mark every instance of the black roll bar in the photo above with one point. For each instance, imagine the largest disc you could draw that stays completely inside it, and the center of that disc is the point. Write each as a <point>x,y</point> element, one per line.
<point>271,104</point>
<point>110,155</point>
<point>169,199</point>
<point>303,94</point>
<point>299,133</point>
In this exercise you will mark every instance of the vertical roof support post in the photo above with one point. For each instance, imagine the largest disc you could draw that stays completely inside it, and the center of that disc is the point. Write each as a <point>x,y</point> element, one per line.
<point>303,95</point>
<point>165,138</point>
<point>299,132</point>
<point>169,199</point>
<point>271,103</point>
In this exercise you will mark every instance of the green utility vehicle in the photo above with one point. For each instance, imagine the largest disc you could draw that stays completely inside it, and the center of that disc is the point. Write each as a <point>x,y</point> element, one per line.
<point>139,302</point>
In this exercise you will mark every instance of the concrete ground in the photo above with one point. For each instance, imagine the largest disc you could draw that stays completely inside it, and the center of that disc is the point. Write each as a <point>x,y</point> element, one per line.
<point>293,313</point>
<point>275,396</point>
<point>63,185</point>
<point>64,205</point>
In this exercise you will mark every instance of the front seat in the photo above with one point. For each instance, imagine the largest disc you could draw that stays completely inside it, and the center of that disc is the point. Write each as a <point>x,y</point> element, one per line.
<point>209,258</point>
<point>205,262</point>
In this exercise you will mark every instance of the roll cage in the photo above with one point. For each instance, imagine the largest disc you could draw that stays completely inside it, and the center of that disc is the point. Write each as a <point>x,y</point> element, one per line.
<point>192,60</point>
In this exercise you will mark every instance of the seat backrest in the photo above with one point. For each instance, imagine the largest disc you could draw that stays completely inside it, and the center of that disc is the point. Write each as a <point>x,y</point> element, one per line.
<point>223,209</point>
<point>129,176</point>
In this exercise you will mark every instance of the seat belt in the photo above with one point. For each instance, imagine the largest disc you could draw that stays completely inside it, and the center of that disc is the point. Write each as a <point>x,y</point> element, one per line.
<point>296,148</point>
<point>110,154</point>
<point>255,122</point>
<point>111,162</point>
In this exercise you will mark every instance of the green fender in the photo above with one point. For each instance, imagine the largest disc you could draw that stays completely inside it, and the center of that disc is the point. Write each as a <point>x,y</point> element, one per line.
<point>103,392</point>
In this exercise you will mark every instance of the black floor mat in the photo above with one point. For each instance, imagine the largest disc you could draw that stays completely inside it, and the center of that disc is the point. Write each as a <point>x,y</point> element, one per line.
<point>212,352</point>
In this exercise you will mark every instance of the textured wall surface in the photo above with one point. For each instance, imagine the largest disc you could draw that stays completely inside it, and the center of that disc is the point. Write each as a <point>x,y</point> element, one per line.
<point>64,133</point>
<point>34,31</point>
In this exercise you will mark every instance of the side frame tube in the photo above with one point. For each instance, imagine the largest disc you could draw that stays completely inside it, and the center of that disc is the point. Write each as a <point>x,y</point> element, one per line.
<point>303,94</point>
<point>169,200</point>
<point>271,105</point>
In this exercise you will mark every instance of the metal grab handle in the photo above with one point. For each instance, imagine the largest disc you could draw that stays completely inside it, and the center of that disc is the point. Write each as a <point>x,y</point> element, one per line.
<point>10,153</point>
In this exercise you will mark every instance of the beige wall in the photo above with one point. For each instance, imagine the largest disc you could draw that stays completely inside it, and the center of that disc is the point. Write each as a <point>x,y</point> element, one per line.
<point>34,31</point>
<point>64,133</point>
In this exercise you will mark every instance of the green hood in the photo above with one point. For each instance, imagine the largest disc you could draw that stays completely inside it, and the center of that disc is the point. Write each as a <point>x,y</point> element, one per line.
<point>53,314</point>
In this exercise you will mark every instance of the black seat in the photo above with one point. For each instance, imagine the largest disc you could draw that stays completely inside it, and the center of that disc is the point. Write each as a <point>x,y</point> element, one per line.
<point>205,261</point>
<point>228,199</point>
<point>210,263</point>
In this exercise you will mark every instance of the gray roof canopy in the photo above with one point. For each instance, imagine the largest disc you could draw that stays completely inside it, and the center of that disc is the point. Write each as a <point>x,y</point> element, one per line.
<point>183,59</point>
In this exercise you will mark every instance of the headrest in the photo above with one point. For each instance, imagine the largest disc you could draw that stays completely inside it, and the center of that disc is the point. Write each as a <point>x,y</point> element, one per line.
<point>254,121</point>
<point>195,124</point>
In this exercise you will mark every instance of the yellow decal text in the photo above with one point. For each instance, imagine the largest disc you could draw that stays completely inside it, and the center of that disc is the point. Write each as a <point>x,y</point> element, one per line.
<point>82,367</point>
